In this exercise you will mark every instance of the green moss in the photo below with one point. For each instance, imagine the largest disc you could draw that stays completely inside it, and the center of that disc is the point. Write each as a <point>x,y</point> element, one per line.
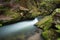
<point>49,35</point>
<point>58,26</point>
<point>45,23</point>
<point>58,38</point>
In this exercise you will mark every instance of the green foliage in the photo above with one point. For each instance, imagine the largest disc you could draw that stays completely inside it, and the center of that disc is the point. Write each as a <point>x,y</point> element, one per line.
<point>46,8</point>
<point>34,12</point>
<point>56,11</point>
<point>53,1</point>
<point>49,35</point>
<point>0,25</point>
<point>12,17</point>
<point>56,17</point>
<point>58,31</point>
<point>12,14</point>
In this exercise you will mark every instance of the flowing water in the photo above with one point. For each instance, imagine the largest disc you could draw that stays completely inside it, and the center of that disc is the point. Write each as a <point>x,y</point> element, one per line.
<point>25,27</point>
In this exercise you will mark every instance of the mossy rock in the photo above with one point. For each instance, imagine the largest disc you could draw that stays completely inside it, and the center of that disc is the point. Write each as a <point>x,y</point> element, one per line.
<point>49,35</point>
<point>45,23</point>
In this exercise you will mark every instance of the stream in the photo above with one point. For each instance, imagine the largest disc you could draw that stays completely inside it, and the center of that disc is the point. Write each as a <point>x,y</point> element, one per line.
<point>25,27</point>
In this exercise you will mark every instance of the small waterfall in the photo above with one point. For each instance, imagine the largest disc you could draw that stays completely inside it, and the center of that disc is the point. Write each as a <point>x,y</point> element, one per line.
<point>16,27</point>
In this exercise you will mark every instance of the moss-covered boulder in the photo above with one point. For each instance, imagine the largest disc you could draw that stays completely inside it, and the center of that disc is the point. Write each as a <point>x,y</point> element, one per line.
<point>49,35</point>
<point>45,23</point>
